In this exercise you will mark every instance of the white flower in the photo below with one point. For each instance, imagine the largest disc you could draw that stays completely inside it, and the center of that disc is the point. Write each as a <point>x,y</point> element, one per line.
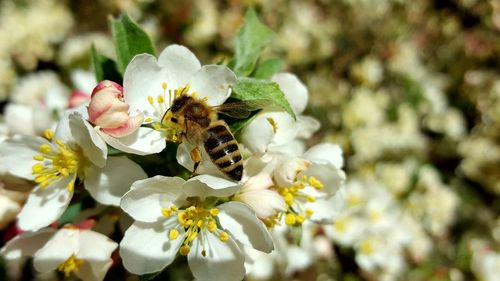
<point>151,84</point>
<point>176,216</point>
<point>84,253</point>
<point>56,163</point>
<point>274,130</point>
<point>35,99</point>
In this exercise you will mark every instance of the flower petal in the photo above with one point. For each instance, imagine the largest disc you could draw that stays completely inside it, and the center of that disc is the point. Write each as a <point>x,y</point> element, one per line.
<point>45,205</point>
<point>63,130</point>
<point>222,260</point>
<point>204,186</point>
<point>241,222</point>
<point>146,247</point>
<point>142,78</point>
<point>144,141</point>
<point>144,201</point>
<point>16,155</point>
<point>329,175</point>
<point>180,63</point>
<point>26,244</point>
<point>94,147</point>
<point>16,114</point>
<point>267,130</point>
<point>325,153</point>
<point>57,250</point>
<point>295,91</point>
<point>326,210</point>
<point>108,184</point>
<point>213,82</point>
<point>94,246</point>
<point>95,271</point>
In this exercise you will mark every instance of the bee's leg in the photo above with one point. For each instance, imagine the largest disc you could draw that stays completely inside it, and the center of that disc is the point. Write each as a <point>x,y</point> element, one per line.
<point>196,157</point>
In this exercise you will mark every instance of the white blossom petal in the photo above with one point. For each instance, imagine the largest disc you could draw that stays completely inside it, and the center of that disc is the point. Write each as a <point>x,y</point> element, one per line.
<point>45,205</point>
<point>146,247</point>
<point>143,201</point>
<point>26,244</point>
<point>180,63</point>
<point>241,222</point>
<point>329,175</point>
<point>307,126</point>
<point>94,147</point>
<point>213,82</point>
<point>206,166</point>
<point>295,91</point>
<point>326,210</point>
<point>142,78</point>
<point>16,114</point>
<point>57,250</point>
<point>95,247</point>
<point>204,186</point>
<point>94,271</point>
<point>325,153</point>
<point>16,155</point>
<point>144,141</point>
<point>108,184</point>
<point>222,260</point>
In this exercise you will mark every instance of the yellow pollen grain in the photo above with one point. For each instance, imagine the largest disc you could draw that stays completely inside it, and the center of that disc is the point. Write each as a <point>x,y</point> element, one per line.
<point>290,219</point>
<point>288,197</point>
<point>184,250</point>
<point>38,158</point>
<point>151,100</point>
<point>214,211</point>
<point>173,234</point>
<point>311,199</point>
<point>164,85</point>
<point>224,236</point>
<point>300,218</point>
<point>166,212</point>
<point>309,212</point>
<point>45,148</point>
<point>212,226</point>
<point>160,99</point>
<point>314,182</point>
<point>37,168</point>
<point>182,218</point>
<point>71,265</point>
<point>149,119</point>
<point>48,134</point>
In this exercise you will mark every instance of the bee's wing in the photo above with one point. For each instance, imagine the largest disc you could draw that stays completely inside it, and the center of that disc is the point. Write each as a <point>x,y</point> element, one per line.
<point>241,109</point>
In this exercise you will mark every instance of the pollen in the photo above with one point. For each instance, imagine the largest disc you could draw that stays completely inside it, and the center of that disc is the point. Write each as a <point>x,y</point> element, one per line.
<point>151,100</point>
<point>48,134</point>
<point>223,236</point>
<point>184,250</point>
<point>57,160</point>
<point>164,85</point>
<point>194,220</point>
<point>290,219</point>
<point>173,234</point>
<point>160,99</point>
<point>367,247</point>
<point>315,183</point>
<point>71,265</point>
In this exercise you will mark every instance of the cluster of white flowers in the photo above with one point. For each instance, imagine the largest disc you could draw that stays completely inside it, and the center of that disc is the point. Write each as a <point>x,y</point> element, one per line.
<point>212,220</point>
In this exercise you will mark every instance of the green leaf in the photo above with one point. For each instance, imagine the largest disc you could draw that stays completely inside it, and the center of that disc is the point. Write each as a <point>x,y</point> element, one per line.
<point>129,40</point>
<point>70,213</point>
<point>105,68</point>
<point>249,89</point>
<point>252,37</point>
<point>268,68</point>
<point>237,124</point>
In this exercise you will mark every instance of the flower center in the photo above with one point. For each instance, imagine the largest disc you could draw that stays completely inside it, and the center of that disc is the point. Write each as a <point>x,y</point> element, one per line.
<point>366,247</point>
<point>71,265</point>
<point>56,160</point>
<point>194,220</point>
<point>295,196</point>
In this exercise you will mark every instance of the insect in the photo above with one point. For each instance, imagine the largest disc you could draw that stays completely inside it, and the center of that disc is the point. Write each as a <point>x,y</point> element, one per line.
<point>197,123</point>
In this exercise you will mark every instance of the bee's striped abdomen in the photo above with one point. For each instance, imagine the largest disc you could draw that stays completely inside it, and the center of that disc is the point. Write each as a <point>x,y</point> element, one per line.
<point>223,150</point>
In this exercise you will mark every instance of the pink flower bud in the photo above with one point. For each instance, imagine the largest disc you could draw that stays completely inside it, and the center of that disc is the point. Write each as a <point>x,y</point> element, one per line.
<point>108,110</point>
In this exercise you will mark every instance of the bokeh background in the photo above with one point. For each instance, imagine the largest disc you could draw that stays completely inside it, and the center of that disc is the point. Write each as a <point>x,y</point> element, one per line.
<point>409,89</point>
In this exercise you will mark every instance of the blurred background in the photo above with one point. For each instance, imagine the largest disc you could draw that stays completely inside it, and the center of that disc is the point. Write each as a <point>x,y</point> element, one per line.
<point>409,89</point>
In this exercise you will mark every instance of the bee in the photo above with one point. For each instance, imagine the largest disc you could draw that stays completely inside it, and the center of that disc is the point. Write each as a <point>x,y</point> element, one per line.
<point>197,123</point>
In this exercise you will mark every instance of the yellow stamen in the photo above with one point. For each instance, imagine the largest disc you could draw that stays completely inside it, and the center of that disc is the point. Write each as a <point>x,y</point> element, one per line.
<point>273,123</point>
<point>184,250</point>
<point>48,134</point>
<point>164,85</point>
<point>71,265</point>
<point>151,100</point>
<point>173,234</point>
<point>290,219</point>
<point>223,236</point>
